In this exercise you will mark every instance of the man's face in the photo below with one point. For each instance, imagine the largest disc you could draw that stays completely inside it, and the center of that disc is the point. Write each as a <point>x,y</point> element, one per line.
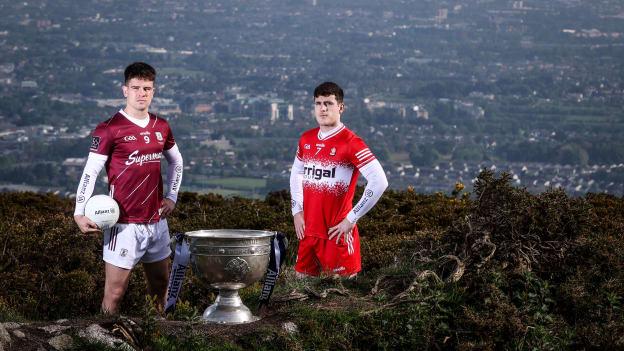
<point>327,111</point>
<point>139,93</point>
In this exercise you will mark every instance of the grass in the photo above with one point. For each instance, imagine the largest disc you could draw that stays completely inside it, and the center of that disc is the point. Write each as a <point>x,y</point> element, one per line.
<point>237,183</point>
<point>223,192</point>
<point>8,314</point>
<point>234,183</point>
<point>228,187</point>
<point>537,272</point>
<point>192,343</point>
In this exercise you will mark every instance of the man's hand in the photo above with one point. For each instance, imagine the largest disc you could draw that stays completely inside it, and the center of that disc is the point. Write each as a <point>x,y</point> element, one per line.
<point>166,207</point>
<point>344,230</point>
<point>299,225</point>
<point>86,225</point>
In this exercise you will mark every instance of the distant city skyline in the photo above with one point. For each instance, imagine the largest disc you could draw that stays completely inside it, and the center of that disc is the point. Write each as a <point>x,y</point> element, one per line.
<point>440,90</point>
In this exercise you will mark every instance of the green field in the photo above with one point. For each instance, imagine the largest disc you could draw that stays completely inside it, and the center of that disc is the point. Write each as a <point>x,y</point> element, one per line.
<point>237,183</point>
<point>226,192</point>
<point>230,186</point>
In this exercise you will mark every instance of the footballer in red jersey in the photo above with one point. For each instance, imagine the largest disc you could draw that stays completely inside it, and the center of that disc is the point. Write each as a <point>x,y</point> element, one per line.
<point>130,145</point>
<point>323,180</point>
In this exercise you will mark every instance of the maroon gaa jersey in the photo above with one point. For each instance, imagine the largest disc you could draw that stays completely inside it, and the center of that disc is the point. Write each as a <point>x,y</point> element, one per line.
<point>133,165</point>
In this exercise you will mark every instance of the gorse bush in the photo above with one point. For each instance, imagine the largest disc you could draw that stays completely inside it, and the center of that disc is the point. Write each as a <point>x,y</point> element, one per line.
<point>496,269</point>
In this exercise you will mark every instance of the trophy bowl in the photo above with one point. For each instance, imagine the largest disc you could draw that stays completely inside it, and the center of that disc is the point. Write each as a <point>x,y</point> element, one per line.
<point>228,260</point>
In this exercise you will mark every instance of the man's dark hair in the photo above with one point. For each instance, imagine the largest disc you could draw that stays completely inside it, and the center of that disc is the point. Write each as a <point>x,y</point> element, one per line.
<point>329,88</point>
<point>140,70</point>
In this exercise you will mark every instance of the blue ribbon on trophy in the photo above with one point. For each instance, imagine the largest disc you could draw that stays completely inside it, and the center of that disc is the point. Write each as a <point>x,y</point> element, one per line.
<point>181,259</point>
<point>279,244</point>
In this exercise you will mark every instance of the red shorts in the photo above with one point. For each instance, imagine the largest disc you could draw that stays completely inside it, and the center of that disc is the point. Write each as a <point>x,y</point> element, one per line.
<point>318,255</point>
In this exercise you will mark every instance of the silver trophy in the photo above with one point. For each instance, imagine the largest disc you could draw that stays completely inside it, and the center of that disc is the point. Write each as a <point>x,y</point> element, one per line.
<point>228,260</point>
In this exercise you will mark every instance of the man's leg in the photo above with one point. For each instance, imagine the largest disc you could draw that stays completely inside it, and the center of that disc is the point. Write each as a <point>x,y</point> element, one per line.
<point>307,263</point>
<point>115,287</point>
<point>157,276</point>
<point>339,259</point>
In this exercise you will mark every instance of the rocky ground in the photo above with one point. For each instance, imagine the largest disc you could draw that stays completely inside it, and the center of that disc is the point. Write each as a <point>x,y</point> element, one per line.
<point>66,334</point>
<point>120,333</point>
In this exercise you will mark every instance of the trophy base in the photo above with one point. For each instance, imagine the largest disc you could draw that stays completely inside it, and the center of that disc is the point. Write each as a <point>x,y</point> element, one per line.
<point>228,308</point>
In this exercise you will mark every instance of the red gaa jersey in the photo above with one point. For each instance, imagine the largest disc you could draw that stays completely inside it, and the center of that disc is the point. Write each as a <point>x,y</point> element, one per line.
<point>329,176</point>
<point>133,164</point>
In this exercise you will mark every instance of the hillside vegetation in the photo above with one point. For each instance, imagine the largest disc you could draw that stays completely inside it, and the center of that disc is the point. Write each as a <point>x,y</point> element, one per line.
<point>496,269</point>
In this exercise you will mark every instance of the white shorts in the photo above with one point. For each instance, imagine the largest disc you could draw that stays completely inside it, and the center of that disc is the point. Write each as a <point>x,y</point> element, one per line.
<point>125,244</point>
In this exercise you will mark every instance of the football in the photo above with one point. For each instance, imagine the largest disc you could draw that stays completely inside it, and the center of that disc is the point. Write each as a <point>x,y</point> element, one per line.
<point>103,210</point>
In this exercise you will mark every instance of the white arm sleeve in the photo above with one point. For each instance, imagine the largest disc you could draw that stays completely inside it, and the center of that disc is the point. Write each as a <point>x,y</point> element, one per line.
<point>174,172</point>
<point>375,186</point>
<point>95,163</point>
<point>296,186</point>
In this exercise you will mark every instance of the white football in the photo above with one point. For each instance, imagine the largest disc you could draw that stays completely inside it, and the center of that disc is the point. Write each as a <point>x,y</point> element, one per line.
<point>103,210</point>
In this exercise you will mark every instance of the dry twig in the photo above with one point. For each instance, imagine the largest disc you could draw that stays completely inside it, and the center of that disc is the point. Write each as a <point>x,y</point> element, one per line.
<point>375,289</point>
<point>293,296</point>
<point>458,272</point>
<point>420,277</point>
<point>323,294</point>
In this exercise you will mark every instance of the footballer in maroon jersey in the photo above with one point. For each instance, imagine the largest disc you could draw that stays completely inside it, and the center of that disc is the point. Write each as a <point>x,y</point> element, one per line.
<point>130,145</point>
<point>323,180</point>
<point>133,167</point>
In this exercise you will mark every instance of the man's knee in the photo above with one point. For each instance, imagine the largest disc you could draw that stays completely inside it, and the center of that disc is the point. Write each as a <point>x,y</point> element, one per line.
<point>114,293</point>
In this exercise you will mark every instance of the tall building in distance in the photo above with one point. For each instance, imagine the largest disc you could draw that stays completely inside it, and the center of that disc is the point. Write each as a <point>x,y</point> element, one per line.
<point>442,15</point>
<point>274,112</point>
<point>291,115</point>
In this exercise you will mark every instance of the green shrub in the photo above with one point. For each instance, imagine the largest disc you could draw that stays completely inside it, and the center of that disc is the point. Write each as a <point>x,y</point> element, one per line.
<point>497,269</point>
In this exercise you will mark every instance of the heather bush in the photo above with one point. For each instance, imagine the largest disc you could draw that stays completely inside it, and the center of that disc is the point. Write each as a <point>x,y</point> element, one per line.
<point>499,268</point>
